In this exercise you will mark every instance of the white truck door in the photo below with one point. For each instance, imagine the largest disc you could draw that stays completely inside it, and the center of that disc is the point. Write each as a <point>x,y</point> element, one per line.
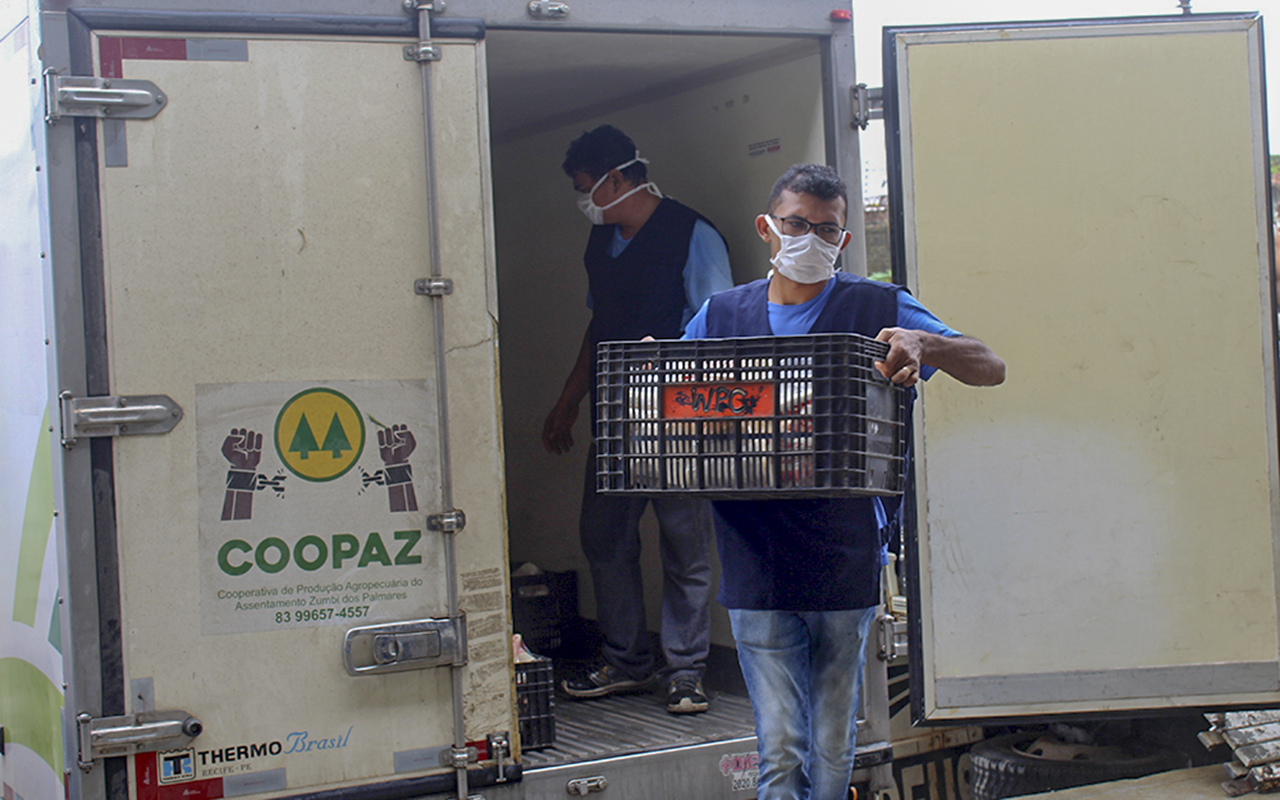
<point>283,576</point>
<point>1091,199</point>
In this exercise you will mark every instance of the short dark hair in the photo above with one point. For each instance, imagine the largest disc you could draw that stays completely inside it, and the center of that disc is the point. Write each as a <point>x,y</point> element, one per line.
<point>818,180</point>
<point>598,151</point>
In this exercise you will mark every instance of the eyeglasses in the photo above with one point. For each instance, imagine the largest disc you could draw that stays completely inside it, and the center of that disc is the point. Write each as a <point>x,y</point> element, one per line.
<point>799,226</point>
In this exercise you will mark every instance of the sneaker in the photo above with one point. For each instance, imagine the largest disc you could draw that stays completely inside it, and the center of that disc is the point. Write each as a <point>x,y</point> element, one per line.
<point>685,696</point>
<point>605,681</point>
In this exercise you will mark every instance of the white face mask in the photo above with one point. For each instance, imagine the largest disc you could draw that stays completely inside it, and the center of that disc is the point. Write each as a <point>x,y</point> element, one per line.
<point>594,212</point>
<point>804,259</point>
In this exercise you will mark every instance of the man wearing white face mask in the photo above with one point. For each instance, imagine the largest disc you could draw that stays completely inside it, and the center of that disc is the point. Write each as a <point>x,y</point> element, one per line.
<point>651,262</point>
<point>801,577</point>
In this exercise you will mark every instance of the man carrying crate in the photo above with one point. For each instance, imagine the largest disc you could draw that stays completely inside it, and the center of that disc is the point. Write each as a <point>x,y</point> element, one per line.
<point>801,577</point>
<point>650,263</point>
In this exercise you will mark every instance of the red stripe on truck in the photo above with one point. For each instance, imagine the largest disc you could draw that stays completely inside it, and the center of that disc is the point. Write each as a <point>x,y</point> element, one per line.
<point>113,50</point>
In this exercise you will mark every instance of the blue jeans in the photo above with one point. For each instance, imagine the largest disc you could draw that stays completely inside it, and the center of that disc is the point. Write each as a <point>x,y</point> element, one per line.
<point>610,533</point>
<point>803,671</point>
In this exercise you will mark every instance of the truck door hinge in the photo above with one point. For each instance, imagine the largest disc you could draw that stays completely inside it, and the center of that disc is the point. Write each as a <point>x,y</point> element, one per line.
<point>105,737</point>
<point>548,9</point>
<point>867,104</point>
<point>500,751</point>
<point>118,98</point>
<point>892,636</point>
<point>115,416</point>
<point>433,287</point>
<point>447,521</point>
<point>404,646</point>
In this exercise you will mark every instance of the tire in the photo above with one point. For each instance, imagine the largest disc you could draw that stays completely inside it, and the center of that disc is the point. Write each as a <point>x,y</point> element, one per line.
<point>1027,763</point>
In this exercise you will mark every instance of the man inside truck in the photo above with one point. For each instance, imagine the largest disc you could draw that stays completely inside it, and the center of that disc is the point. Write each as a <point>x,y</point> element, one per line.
<point>801,578</point>
<point>651,262</point>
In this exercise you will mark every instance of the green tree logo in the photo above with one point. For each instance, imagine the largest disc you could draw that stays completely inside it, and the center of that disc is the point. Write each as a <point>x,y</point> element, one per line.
<point>304,441</point>
<point>335,440</point>
<point>325,452</point>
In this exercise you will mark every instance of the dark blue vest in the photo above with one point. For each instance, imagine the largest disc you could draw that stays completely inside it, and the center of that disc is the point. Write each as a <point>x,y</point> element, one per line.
<point>641,292</point>
<point>819,554</point>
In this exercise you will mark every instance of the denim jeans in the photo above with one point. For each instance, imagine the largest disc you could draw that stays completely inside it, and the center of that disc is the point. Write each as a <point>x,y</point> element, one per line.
<point>803,671</point>
<point>610,533</point>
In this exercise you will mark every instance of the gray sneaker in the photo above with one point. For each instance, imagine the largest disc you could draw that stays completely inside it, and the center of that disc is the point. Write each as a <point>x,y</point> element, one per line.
<point>605,681</point>
<point>685,696</point>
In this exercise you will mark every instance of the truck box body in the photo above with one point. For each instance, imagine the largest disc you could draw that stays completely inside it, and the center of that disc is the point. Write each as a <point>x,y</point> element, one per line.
<point>261,563</point>
<point>293,267</point>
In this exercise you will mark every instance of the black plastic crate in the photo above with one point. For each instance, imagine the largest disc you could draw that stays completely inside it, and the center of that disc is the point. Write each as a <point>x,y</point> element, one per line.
<point>749,418</point>
<point>544,609</point>
<point>535,704</point>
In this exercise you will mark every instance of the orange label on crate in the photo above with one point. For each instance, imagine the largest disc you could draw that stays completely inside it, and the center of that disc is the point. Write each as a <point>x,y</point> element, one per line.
<point>709,400</point>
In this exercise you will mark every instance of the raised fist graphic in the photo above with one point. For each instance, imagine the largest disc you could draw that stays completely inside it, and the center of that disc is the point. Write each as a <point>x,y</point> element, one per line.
<point>395,444</point>
<point>243,450</point>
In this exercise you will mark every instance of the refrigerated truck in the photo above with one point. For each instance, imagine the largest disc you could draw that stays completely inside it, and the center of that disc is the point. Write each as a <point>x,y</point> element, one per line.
<point>264,476</point>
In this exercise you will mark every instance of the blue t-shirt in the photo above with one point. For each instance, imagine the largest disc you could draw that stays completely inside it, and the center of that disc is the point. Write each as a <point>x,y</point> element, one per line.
<point>706,270</point>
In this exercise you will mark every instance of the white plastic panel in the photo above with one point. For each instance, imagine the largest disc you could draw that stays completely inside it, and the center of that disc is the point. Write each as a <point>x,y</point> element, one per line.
<point>1097,534</point>
<point>262,237</point>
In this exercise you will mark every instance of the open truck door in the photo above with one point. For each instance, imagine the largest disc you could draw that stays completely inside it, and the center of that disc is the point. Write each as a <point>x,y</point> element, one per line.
<point>270,586</point>
<point>1092,199</point>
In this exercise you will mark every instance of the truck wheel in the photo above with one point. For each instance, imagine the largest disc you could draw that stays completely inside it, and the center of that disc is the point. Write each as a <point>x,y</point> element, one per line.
<point>1026,763</point>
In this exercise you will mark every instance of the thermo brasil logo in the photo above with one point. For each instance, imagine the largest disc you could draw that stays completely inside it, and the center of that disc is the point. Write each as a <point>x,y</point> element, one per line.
<point>298,742</point>
<point>311,552</point>
<point>178,766</point>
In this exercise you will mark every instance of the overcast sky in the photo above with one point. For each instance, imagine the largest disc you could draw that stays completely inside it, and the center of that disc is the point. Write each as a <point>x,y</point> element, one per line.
<point>870,16</point>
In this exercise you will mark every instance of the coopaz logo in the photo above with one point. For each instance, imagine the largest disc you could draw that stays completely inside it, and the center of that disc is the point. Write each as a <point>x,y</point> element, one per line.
<point>311,552</point>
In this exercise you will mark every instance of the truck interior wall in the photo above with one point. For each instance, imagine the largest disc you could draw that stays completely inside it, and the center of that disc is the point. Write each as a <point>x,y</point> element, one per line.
<point>705,149</point>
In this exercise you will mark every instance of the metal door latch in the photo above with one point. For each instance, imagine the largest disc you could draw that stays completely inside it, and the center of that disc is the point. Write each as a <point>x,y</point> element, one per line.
<point>433,287</point>
<point>116,416</point>
<point>499,750</point>
<point>548,9</point>
<point>77,96</point>
<point>459,758</point>
<point>403,646</point>
<point>447,521</point>
<point>422,51</point>
<point>581,787</point>
<point>105,737</point>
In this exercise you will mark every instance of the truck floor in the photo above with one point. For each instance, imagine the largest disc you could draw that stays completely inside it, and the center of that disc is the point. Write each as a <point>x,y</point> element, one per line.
<point>612,726</point>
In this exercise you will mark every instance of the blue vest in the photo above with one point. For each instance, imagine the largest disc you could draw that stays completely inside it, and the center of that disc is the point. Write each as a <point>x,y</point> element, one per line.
<point>806,554</point>
<point>641,292</point>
